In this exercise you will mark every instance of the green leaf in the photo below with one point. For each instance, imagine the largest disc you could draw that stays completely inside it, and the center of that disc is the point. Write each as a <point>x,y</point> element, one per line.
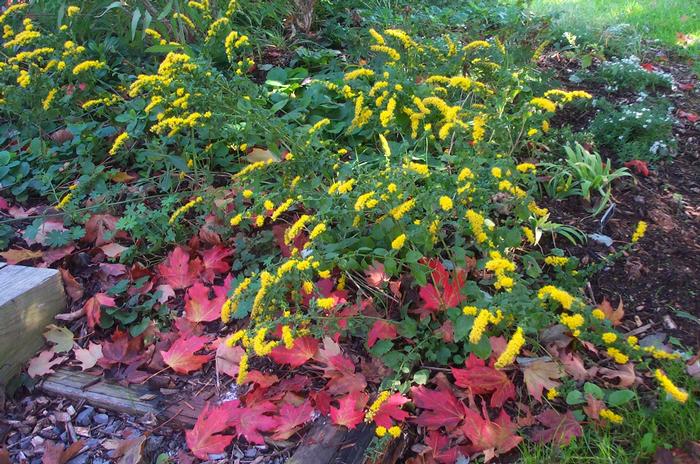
<point>381,348</point>
<point>421,377</point>
<point>620,397</point>
<point>482,349</point>
<point>166,10</point>
<point>575,397</point>
<point>135,17</point>
<point>594,390</point>
<point>462,326</point>
<point>408,328</point>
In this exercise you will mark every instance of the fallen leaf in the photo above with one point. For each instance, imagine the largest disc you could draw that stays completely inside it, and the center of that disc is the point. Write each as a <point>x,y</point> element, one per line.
<point>350,411</point>
<point>181,358</point>
<point>101,229</point>
<point>178,271</point>
<point>613,315</point>
<point>481,379</point>
<point>205,437</point>
<point>42,363</point>
<point>214,262</point>
<point>88,357</point>
<point>93,308</point>
<point>113,250</point>
<point>441,408</point>
<point>492,438</point>
<point>560,428</point>
<point>291,419</point>
<point>257,154</point>
<point>375,275</point>
<point>391,409</point>
<point>19,255</point>
<point>304,348</point>
<point>73,288</point>
<point>228,359</point>
<point>692,117</point>
<point>130,451</point>
<point>61,337</point>
<point>541,375</point>
<point>55,453</point>
<point>198,306</point>
<point>624,375</point>
<point>381,330</point>
<point>251,421</point>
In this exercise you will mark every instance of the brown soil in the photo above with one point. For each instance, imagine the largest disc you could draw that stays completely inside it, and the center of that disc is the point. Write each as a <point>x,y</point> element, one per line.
<point>658,281</point>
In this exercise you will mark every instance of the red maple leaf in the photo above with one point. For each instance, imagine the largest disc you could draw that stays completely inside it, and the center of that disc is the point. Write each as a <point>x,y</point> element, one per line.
<point>560,428</point>
<point>213,262</point>
<point>204,438</point>
<point>198,306</point>
<point>93,308</point>
<point>692,117</point>
<point>440,445</point>
<point>441,408</point>
<point>178,271</point>
<point>249,422</point>
<point>639,167</point>
<point>492,438</point>
<point>342,376</point>
<point>443,293</point>
<point>304,349</point>
<point>181,358</point>
<point>483,380</point>
<point>381,330</point>
<point>291,419</point>
<point>391,409</point>
<point>121,350</point>
<point>350,410</point>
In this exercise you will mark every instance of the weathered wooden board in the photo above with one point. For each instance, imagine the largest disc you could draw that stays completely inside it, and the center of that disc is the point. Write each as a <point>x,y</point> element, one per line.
<point>29,299</point>
<point>135,400</point>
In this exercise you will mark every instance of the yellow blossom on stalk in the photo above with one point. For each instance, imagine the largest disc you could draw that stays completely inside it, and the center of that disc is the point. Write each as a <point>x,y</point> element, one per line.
<point>325,303</point>
<point>563,297</point>
<point>476,221</point>
<point>639,231</point>
<point>611,416</point>
<point>183,209</point>
<point>317,230</point>
<point>379,85</point>
<point>374,407</point>
<point>395,431</point>
<point>533,208</point>
<point>512,350</point>
<point>545,126</point>
<point>532,132</point>
<point>12,9</point>
<point>247,193</point>
<point>46,104</point>
<point>242,370</point>
<point>445,203</point>
<point>281,209</point>
<point>598,314</point>
<point>385,146</point>
<point>118,143</point>
<point>573,322</point>
<point>377,37</point>
<point>319,125</point>
<point>476,44</point>
<point>261,347</point>
<point>153,33</point>
<point>358,73</point>
<point>72,10</point>
<point>291,233</point>
<point>418,168</point>
<point>556,260</point>
<point>526,167</point>
<point>671,389</point>
<point>544,103</point>
<point>24,79</point>
<point>398,242</point>
<point>399,211</point>
<point>287,337</point>
<point>362,114</point>
<point>609,337</point>
<point>231,304</point>
<point>480,323</point>
<point>529,235</point>
<point>574,94</point>
<point>7,32</point>
<point>260,220</point>
<point>30,55</point>
<point>465,174</point>
<point>188,22</point>
<point>618,356</point>
<point>362,200</point>
<point>390,52</point>
<point>23,39</point>
<point>552,393</point>
<point>404,38</point>
<point>387,115</point>
<point>235,338</point>
<point>268,205</point>
<point>496,172</point>
<point>64,201</point>
<point>444,131</point>
<point>632,341</point>
<point>88,65</point>
<point>266,280</point>
<point>324,274</point>
<point>470,310</point>
<point>251,167</point>
<point>479,128</point>
<point>380,431</point>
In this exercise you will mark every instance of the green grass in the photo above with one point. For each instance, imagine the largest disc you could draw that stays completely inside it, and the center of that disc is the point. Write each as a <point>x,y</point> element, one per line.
<point>651,19</point>
<point>658,424</point>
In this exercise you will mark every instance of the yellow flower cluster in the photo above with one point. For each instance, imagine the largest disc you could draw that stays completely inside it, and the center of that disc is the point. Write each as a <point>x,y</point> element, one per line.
<point>639,231</point>
<point>573,322</point>
<point>374,407</point>
<point>88,65</point>
<point>499,266</point>
<point>398,242</point>
<point>251,167</point>
<point>557,261</point>
<point>394,431</point>
<point>118,143</point>
<point>399,211</point>
<point>231,304</point>
<point>675,392</point>
<point>319,125</point>
<point>357,74</point>
<point>544,103</point>
<point>317,230</point>
<point>445,203</point>
<point>242,370</point>
<point>183,209</point>
<point>291,233</point>
<point>609,337</point>
<point>260,346</point>
<point>341,188</point>
<point>418,168</point>
<point>325,303</point>
<point>390,52</point>
<point>552,393</point>
<point>618,356</point>
<point>480,323</point>
<point>563,297</point>
<point>476,221</point>
<point>266,281</point>
<point>611,416</point>
<point>512,350</point>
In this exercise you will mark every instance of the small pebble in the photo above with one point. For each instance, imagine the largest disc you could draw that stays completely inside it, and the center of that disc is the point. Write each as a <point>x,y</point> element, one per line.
<point>85,416</point>
<point>100,419</point>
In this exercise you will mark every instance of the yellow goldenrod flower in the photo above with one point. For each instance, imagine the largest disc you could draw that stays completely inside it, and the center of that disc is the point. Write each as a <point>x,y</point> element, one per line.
<point>291,233</point>
<point>611,416</point>
<point>598,314</point>
<point>526,167</point>
<point>72,10</point>
<point>398,242</point>
<point>64,201</point>
<point>317,230</point>
<point>46,104</point>
<point>358,73</point>
<point>445,203</point>
<point>512,350</point>
<point>24,79</point>
<point>557,261</point>
<point>287,337</point>
<point>394,431</point>
<point>380,431</point>
<point>480,323</point>
<point>183,209</point>
<point>387,115</point>
<point>418,168</point>
<point>552,393</point>
<point>675,392</point>
<point>476,221</point>
<point>544,103</point>
<point>609,337</point>
<point>618,356</point>
<point>242,370</point>
<point>639,231</point>
<point>325,303</point>
<point>470,310</point>
<point>399,211</point>
<point>561,296</point>
<point>479,128</point>
<point>319,125</point>
<point>533,208</point>
<point>88,65</point>
<point>118,143</point>
<point>374,407</point>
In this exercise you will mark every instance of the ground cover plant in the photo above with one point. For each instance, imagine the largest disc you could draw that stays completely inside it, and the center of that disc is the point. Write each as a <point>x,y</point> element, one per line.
<point>355,229</point>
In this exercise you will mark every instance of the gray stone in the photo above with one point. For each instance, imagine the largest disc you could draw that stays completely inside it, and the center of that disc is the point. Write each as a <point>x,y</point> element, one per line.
<point>100,419</point>
<point>85,416</point>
